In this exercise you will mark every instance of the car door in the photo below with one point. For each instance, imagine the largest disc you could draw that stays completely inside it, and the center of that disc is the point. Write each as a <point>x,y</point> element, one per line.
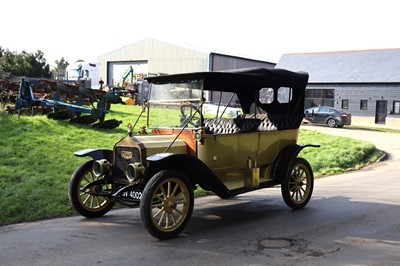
<point>323,114</point>
<point>311,114</point>
<point>320,115</point>
<point>227,155</point>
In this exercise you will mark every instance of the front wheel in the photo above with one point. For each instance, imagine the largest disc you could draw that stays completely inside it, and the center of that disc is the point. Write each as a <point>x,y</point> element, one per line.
<point>87,203</point>
<point>297,190</point>
<point>167,204</point>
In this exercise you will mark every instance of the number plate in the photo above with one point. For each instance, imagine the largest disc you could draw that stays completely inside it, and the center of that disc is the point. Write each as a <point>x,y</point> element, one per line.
<point>133,195</point>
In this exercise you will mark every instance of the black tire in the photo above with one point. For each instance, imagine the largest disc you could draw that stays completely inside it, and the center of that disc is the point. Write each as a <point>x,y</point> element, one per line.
<point>167,204</point>
<point>331,122</point>
<point>85,204</point>
<point>298,189</point>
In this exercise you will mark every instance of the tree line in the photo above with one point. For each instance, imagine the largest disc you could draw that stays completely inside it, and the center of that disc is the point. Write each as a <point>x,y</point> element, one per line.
<point>28,64</point>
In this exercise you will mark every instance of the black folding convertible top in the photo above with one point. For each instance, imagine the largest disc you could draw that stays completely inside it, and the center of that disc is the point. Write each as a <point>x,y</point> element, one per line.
<point>238,80</point>
<point>247,82</point>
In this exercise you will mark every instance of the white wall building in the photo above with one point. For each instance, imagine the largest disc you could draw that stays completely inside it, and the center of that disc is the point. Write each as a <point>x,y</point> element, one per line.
<point>151,56</point>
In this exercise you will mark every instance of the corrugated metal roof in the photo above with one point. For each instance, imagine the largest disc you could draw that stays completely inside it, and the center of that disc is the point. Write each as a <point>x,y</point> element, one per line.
<point>367,66</point>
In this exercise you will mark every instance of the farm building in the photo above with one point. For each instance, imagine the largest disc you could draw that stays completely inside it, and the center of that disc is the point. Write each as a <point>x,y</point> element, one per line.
<point>364,83</point>
<point>151,56</point>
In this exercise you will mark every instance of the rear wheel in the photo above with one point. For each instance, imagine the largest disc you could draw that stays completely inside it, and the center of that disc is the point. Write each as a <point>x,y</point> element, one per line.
<point>331,122</point>
<point>167,204</point>
<point>298,189</point>
<point>86,203</point>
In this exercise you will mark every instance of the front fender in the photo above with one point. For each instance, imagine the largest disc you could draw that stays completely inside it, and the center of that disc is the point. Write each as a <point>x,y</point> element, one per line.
<point>96,154</point>
<point>285,160</point>
<point>197,171</point>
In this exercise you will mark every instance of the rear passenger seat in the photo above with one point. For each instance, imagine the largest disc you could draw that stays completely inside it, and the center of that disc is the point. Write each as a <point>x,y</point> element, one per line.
<point>220,126</point>
<point>243,123</point>
<point>265,123</point>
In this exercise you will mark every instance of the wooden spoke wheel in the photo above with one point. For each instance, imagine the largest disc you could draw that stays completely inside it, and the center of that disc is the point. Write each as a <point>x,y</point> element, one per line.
<point>87,203</point>
<point>167,204</point>
<point>298,189</point>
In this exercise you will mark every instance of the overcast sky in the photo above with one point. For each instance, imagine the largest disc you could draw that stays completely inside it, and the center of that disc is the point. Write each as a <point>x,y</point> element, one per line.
<point>263,29</point>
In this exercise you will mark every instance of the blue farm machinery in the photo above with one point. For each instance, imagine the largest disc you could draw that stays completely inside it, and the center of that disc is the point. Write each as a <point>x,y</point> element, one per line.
<point>62,100</point>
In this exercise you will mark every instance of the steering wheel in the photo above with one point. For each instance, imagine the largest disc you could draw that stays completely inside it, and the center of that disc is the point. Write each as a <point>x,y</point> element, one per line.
<point>187,110</point>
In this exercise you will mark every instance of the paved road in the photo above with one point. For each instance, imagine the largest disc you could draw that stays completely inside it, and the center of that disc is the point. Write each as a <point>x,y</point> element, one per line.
<point>352,219</point>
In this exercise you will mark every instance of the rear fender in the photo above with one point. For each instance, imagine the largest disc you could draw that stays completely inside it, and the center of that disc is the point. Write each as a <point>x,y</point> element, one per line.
<point>195,170</point>
<point>285,160</point>
<point>96,154</point>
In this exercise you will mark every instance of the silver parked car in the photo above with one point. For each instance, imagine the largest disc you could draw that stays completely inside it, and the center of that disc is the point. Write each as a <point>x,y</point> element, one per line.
<point>330,116</point>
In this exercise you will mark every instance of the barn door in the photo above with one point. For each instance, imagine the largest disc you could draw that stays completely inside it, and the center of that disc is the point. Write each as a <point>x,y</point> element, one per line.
<point>381,112</point>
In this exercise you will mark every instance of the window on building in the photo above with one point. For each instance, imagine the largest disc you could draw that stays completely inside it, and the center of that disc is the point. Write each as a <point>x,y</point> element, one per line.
<point>396,107</point>
<point>319,97</point>
<point>363,104</point>
<point>345,104</point>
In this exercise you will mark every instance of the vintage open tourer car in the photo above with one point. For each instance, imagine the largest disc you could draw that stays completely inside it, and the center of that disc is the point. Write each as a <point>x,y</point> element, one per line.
<point>228,132</point>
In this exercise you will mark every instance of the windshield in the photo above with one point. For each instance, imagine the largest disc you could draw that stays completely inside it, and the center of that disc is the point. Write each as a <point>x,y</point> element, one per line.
<point>173,104</point>
<point>177,105</point>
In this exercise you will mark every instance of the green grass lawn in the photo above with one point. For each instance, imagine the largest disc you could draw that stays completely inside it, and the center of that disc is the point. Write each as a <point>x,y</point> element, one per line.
<point>36,159</point>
